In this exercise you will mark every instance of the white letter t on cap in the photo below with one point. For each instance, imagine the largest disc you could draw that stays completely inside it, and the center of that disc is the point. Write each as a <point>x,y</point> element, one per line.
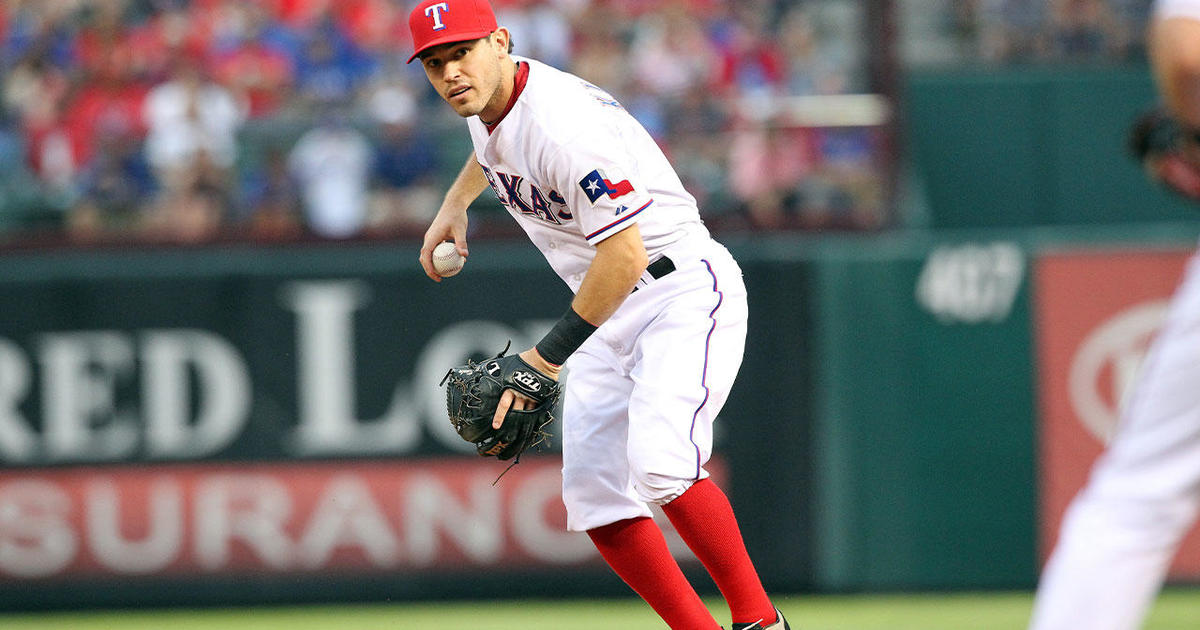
<point>436,11</point>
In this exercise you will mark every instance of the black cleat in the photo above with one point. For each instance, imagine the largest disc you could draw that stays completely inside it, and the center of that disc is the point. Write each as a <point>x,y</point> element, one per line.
<point>780,624</point>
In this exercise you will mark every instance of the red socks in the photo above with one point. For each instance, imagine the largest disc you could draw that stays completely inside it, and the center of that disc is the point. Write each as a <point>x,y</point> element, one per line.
<point>704,518</point>
<point>636,550</point>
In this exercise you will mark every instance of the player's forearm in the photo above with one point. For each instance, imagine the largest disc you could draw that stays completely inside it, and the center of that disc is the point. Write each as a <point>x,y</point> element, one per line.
<point>1175,54</point>
<point>620,260</point>
<point>469,183</point>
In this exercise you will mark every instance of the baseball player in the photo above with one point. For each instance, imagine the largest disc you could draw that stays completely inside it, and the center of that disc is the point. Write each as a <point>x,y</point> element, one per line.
<point>654,334</point>
<point>1120,533</point>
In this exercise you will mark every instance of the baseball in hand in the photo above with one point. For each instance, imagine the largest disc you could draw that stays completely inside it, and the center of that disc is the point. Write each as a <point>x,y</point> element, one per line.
<point>446,259</point>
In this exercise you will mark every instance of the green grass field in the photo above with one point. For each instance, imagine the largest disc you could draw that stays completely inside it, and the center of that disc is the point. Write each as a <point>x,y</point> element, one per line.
<point>1177,609</point>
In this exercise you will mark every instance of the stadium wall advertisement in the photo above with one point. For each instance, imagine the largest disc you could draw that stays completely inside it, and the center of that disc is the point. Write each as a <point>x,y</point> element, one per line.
<point>290,377</point>
<point>206,427</point>
<point>1098,311</point>
<point>240,425</point>
<point>923,441</point>
<point>248,519</point>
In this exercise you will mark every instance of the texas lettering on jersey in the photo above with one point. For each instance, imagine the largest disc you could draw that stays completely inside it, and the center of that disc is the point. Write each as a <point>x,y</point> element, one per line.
<point>550,207</point>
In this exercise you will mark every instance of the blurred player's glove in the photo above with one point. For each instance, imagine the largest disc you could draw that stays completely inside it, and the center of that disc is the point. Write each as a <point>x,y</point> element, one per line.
<point>1169,152</point>
<point>473,393</point>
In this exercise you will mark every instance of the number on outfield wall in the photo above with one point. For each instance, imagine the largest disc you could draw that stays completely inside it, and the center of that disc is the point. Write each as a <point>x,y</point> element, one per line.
<point>972,283</point>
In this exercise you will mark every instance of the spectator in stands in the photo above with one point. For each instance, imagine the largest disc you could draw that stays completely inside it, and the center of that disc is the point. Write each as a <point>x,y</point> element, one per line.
<point>330,66</point>
<point>809,70</point>
<point>270,200</point>
<point>404,190</point>
<point>113,187</point>
<point>51,149</point>
<point>41,29</point>
<point>191,214</point>
<point>61,131</point>
<point>332,164</point>
<point>73,67</point>
<point>101,43</point>
<point>1012,29</point>
<point>1131,17</point>
<point>1083,29</point>
<point>252,62</point>
<point>238,21</point>
<point>35,93</point>
<point>671,61</point>
<point>168,30</point>
<point>107,100</point>
<point>854,199</point>
<point>601,56</point>
<point>32,85</point>
<point>751,63</point>
<point>672,54</point>
<point>375,26</point>
<point>543,30</point>
<point>753,178</point>
<point>190,118</point>
<point>696,144</point>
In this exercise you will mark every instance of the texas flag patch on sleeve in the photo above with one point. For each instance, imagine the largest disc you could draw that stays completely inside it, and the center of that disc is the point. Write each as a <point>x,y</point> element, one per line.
<point>597,184</point>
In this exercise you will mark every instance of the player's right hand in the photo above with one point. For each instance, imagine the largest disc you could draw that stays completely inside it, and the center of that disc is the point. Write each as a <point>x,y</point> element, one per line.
<point>512,399</point>
<point>446,226</point>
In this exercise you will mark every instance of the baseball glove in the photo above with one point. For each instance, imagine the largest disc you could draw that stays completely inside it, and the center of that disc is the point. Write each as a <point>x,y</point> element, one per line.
<point>474,393</point>
<point>1169,152</point>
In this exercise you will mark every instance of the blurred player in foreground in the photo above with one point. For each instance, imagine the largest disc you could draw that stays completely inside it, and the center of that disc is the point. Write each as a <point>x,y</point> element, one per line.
<point>1122,530</point>
<point>655,332</point>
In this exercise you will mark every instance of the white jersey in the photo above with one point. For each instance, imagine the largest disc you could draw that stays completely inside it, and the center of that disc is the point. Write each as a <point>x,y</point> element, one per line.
<point>1177,8</point>
<point>573,167</point>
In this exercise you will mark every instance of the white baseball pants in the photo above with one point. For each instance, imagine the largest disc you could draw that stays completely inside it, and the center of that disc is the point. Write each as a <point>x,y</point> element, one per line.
<point>643,391</point>
<point>1120,533</point>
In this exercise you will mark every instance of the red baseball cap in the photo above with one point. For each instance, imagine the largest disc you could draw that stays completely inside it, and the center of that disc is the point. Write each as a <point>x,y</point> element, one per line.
<point>436,22</point>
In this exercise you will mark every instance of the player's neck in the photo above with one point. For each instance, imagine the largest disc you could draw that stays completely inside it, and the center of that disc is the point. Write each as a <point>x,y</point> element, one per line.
<point>499,103</point>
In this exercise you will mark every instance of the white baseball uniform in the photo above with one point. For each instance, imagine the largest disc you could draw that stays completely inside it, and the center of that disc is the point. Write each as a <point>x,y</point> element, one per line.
<point>1121,531</point>
<point>573,168</point>
<point>1177,8</point>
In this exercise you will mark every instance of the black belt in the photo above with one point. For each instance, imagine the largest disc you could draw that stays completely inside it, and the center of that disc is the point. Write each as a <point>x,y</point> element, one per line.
<point>659,268</point>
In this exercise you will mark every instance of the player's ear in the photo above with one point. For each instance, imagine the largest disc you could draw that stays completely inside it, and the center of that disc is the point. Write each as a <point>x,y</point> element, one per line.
<point>501,41</point>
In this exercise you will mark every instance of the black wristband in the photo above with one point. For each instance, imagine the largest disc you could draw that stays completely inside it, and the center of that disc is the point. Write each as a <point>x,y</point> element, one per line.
<point>565,338</point>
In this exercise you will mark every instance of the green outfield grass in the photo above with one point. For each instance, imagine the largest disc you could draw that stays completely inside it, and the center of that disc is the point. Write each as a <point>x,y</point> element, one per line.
<point>1177,609</point>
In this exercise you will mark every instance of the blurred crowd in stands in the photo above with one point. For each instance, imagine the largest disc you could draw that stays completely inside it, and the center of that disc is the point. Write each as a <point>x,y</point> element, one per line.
<point>1023,31</point>
<point>189,120</point>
